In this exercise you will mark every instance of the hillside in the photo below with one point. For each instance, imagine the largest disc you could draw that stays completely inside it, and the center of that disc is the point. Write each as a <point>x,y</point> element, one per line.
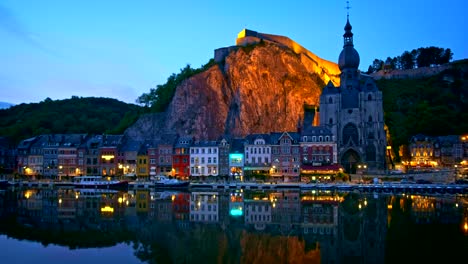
<point>257,88</point>
<point>432,105</point>
<point>75,115</point>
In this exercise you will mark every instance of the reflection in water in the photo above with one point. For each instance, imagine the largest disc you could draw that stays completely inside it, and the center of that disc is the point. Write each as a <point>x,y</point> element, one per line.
<point>239,226</point>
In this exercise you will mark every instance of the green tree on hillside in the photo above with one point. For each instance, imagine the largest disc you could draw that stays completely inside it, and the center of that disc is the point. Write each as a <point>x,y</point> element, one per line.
<point>421,57</point>
<point>157,99</point>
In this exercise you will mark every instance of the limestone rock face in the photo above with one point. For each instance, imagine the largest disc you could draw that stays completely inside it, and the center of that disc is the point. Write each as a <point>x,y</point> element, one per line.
<point>258,89</point>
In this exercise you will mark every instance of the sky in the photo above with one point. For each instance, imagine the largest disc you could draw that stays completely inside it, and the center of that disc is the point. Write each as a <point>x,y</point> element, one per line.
<point>122,48</point>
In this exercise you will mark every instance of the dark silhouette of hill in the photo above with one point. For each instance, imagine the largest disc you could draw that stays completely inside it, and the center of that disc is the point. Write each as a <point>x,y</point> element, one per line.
<point>74,115</point>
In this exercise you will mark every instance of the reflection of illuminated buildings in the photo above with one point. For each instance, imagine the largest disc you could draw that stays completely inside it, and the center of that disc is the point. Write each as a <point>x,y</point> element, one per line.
<point>180,206</point>
<point>423,209</point>
<point>362,229</point>
<point>142,201</point>
<point>286,209</point>
<point>320,213</point>
<point>320,222</point>
<point>66,204</point>
<point>258,213</point>
<point>204,207</point>
<point>161,203</point>
<point>236,203</point>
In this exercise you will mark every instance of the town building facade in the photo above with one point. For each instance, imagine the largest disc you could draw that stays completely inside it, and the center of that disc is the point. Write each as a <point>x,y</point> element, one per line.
<point>353,112</point>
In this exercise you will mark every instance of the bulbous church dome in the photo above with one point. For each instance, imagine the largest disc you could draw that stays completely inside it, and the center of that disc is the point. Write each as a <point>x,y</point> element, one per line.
<point>349,57</point>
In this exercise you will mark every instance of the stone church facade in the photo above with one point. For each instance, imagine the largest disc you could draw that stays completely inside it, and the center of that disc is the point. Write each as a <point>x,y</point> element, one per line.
<point>354,113</point>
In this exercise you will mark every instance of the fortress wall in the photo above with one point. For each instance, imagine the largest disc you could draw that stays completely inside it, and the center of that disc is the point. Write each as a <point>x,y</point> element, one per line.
<point>329,70</point>
<point>411,73</point>
<point>221,53</point>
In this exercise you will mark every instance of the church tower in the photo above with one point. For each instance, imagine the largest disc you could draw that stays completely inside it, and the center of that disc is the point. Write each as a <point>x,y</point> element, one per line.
<point>354,112</point>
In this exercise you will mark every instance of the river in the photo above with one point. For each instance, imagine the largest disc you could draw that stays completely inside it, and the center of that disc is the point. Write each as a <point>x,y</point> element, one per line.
<point>58,225</point>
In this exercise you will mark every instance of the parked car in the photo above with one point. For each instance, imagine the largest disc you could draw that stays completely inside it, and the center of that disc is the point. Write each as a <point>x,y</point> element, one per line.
<point>422,181</point>
<point>461,181</point>
<point>406,181</point>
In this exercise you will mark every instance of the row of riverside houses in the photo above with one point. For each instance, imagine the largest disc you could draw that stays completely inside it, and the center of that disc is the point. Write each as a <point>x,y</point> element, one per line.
<point>280,155</point>
<point>430,151</point>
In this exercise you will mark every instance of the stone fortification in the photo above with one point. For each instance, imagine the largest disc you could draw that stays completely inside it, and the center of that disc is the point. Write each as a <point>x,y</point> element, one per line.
<point>313,62</point>
<point>411,73</point>
<point>257,89</point>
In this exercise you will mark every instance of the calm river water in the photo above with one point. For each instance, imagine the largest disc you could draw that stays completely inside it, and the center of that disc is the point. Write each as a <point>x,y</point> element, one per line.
<point>231,226</point>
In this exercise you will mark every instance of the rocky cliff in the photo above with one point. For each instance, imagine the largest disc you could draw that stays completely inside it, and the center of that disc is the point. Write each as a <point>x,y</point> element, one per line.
<point>258,88</point>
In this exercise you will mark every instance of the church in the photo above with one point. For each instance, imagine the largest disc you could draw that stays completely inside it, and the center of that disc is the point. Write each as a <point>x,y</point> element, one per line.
<point>353,112</point>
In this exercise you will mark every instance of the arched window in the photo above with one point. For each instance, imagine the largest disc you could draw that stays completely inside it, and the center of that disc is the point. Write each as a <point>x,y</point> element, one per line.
<point>330,121</point>
<point>350,133</point>
<point>369,97</point>
<point>330,100</point>
<point>370,118</point>
<point>327,138</point>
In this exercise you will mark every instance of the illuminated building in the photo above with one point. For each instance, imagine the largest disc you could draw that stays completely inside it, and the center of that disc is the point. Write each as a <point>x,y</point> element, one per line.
<point>353,112</point>
<point>204,159</point>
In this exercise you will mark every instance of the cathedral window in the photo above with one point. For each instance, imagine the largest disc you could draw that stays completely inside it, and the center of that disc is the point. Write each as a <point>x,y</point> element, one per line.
<point>350,133</point>
<point>369,97</point>
<point>370,118</point>
<point>330,100</point>
<point>330,121</point>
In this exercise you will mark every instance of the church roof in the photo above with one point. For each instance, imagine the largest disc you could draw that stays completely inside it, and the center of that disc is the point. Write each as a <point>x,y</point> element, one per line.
<point>330,89</point>
<point>349,57</point>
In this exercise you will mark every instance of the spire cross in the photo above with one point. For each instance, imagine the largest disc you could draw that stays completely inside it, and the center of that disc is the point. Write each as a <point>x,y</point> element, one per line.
<point>347,7</point>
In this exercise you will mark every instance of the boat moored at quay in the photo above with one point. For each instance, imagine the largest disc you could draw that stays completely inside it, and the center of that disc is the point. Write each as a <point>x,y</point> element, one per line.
<point>98,182</point>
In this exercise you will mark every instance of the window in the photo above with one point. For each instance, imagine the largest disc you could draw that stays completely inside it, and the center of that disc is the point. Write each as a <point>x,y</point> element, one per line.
<point>370,118</point>
<point>330,100</point>
<point>369,97</point>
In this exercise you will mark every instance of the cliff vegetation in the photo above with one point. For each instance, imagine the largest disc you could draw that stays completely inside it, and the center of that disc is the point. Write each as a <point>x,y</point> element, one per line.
<point>74,115</point>
<point>435,105</point>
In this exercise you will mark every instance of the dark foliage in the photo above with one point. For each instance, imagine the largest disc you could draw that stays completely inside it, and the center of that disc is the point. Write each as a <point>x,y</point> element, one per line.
<point>422,57</point>
<point>75,115</point>
<point>157,99</point>
<point>432,106</point>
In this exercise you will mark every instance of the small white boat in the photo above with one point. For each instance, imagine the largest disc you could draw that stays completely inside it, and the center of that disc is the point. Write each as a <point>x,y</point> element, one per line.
<point>98,182</point>
<point>161,181</point>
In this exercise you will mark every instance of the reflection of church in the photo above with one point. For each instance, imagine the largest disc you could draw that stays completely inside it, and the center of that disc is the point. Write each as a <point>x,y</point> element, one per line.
<point>353,112</point>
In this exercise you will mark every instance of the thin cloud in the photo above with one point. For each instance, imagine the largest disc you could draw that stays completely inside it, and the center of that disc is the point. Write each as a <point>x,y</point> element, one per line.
<point>13,26</point>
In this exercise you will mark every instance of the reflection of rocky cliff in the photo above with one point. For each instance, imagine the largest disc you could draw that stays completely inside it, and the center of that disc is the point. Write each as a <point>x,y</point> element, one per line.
<point>265,248</point>
<point>257,88</point>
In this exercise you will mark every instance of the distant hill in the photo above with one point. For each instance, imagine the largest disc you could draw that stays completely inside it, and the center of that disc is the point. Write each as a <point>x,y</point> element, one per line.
<point>420,102</point>
<point>4,105</point>
<point>75,115</point>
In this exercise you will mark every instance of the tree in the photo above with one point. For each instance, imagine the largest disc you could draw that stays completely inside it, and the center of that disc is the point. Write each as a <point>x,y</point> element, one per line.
<point>407,60</point>
<point>377,65</point>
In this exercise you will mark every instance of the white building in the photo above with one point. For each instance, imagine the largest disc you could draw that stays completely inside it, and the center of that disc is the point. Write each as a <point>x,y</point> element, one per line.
<point>204,159</point>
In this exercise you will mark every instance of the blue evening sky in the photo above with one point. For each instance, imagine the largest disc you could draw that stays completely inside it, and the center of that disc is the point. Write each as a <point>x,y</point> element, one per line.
<point>121,49</point>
